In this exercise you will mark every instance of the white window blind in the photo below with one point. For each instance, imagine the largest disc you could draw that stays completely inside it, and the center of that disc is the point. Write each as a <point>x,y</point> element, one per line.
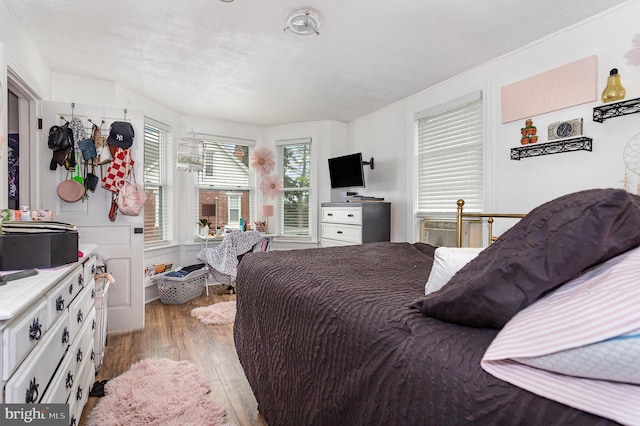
<point>450,156</point>
<point>226,166</point>
<point>156,213</point>
<point>294,163</point>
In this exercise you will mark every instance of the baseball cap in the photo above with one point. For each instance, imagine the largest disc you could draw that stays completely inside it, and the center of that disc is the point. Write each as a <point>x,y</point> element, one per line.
<point>121,134</point>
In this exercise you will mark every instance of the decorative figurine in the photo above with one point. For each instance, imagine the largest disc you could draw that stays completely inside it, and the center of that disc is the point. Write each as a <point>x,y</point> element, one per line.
<point>614,90</point>
<point>528,133</point>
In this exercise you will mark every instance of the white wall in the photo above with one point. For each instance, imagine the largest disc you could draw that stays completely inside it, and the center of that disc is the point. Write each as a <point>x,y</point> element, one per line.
<point>514,186</point>
<point>22,56</point>
<point>382,135</point>
<point>19,55</point>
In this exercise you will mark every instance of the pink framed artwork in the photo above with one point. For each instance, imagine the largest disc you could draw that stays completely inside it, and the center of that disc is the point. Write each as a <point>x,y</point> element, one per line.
<point>562,87</point>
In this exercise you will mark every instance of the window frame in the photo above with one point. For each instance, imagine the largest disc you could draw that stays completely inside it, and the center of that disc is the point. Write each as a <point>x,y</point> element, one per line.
<point>280,213</point>
<point>478,201</point>
<point>224,190</point>
<point>162,187</point>
<point>237,205</point>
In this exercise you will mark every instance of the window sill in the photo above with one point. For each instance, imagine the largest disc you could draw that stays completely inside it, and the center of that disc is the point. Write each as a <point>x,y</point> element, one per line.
<point>158,247</point>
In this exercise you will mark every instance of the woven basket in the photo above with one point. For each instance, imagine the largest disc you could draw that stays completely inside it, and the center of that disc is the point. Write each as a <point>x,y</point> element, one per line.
<point>176,291</point>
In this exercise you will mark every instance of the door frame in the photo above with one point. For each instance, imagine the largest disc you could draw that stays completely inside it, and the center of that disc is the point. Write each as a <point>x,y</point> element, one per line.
<point>28,106</point>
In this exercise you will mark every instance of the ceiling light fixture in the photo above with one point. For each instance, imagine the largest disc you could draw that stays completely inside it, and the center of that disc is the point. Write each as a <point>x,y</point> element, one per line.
<point>303,22</point>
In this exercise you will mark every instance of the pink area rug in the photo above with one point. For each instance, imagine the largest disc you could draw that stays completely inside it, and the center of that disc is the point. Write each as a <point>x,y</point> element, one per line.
<point>157,392</point>
<point>217,314</point>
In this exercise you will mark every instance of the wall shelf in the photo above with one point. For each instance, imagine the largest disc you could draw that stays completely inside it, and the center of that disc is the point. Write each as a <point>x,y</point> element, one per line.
<point>616,109</point>
<point>581,143</point>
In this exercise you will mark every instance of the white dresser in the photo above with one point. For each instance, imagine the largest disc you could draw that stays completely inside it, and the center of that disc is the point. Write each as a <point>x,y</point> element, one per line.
<point>47,325</point>
<point>355,223</point>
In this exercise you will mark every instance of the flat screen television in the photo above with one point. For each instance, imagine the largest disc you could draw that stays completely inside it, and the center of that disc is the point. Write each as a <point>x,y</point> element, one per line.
<point>346,171</point>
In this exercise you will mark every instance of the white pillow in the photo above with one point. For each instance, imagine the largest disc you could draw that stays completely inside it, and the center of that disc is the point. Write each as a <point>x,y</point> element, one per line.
<point>446,262</point>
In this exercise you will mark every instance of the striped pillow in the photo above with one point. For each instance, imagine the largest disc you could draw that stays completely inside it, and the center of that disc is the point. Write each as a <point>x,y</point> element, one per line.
<point>594,316</point>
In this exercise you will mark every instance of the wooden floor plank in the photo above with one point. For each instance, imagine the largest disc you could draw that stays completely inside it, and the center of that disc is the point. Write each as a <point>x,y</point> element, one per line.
<point>171,332</point>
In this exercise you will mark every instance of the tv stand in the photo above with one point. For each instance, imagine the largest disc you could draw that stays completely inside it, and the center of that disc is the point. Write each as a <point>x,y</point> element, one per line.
<point>350,223</point>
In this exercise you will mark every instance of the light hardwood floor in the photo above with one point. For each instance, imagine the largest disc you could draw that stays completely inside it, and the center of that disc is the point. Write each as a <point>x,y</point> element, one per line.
<point>171,332</point>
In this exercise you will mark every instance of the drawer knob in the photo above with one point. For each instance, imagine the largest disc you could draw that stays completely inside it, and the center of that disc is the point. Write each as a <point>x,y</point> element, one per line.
<point>65,335</point>
<point>350,215</point>
<point>80,316</point>
<point>94,325</point>
<point>60,303</point>
<point>80,281</point>
<point>93,355</point>
<point>31,397</point>
<point>68,383</point>
<point>79,355</point>
<point>329,214</point>
<point>35,330</point>
<point>71,288</point>
<point>338,232</point>
<point>93,269</point>
<point>93,293</point>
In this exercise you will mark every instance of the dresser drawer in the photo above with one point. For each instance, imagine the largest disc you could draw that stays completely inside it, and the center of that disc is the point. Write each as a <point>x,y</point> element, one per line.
<point>346,233</point>
<point>75,282</point>
<point>89,269</point>
<point>22,335</point>
<point>60,297</point>
<point>30,380</point>
<point>80,308</point>
<point>80,393</point>
<point>61,384</point>
<point>348,215</point>
<point>82,348</point>
<point>324,242</point>
<point>68,373</point>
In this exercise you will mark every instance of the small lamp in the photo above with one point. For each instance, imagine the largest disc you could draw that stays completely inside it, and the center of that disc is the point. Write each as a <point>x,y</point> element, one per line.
<point>267,211</point>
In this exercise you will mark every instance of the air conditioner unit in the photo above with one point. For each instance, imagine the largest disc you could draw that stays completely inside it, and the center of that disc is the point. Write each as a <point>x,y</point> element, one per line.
<point>442,233</point>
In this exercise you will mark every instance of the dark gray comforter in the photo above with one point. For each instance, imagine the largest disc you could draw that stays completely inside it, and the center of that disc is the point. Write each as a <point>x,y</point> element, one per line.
<point>326,337</point>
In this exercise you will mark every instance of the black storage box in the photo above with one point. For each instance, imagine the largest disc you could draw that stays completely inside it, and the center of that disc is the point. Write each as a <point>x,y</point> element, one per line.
<point>37,250</point>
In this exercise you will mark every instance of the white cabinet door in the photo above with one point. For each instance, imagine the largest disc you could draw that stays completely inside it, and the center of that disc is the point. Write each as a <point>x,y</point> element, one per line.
<point>120,243</point>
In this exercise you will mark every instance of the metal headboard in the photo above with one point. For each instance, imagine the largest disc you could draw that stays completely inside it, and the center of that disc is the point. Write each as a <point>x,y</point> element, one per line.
<point>489,216</point>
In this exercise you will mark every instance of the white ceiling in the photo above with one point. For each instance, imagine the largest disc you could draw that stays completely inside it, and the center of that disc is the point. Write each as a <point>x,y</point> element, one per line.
<point>233,61</point>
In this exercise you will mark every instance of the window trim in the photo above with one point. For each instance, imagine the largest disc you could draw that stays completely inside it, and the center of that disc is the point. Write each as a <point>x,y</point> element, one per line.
<point>238,200</point>
<point>280,143</point>
<point>431,99</point>
<point>252,187</point>
<point>165,185</point>
<point>441,115</point>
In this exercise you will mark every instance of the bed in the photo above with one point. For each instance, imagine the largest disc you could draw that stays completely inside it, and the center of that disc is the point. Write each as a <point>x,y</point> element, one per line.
<point>347,335</point>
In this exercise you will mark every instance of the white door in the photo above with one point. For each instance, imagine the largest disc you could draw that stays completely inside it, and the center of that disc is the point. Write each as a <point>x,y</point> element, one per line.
<point>120,243</point>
